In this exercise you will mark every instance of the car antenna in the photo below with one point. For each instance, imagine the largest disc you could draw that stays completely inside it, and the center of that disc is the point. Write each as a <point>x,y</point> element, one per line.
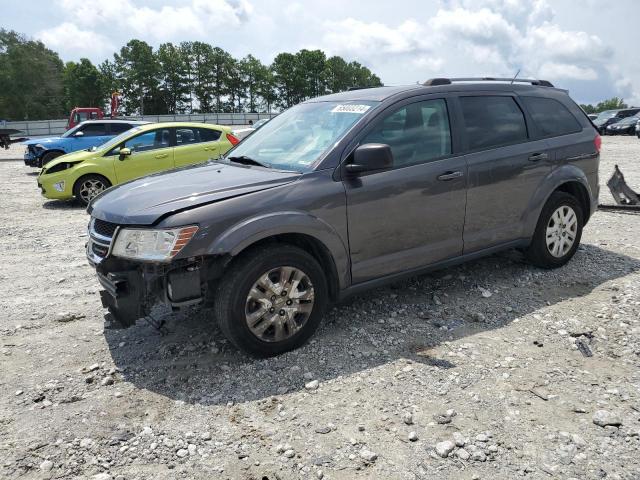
<point>515,76</point>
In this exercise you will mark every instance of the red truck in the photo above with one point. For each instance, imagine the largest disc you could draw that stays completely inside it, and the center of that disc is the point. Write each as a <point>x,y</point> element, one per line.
<point>80,114</point>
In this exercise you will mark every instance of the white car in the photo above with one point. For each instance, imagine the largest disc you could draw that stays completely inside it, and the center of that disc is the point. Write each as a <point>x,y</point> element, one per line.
<point>245,132</point>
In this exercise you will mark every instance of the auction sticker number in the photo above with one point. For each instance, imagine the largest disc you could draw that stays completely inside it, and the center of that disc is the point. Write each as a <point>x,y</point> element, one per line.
<point>350,108</point>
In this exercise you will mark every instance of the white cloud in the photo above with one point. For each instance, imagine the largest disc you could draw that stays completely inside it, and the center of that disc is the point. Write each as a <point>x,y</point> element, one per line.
<point>195,18</point>
<point>553,71</point>
<point>68,36</point>
<point>478,37</point>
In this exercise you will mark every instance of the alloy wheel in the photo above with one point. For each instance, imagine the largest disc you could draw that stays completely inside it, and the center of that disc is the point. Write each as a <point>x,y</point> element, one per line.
<point>90,188</point>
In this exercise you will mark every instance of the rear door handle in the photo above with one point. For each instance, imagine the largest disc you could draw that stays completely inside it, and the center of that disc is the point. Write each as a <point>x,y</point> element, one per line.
<point>450,176</point>
<point>536,157</point>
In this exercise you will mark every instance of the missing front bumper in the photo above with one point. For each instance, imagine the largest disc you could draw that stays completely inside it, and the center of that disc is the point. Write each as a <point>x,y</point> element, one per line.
<point>131,294</point>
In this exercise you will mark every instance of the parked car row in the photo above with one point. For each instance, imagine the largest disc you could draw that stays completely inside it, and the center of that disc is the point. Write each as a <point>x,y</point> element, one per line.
<point>85,135</point>
<point>606,122</point>
<point>142,149</point>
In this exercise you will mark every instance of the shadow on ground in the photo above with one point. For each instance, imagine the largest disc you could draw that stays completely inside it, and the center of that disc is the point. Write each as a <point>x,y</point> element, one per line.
<point>62,205</point>
<point>194,363</point>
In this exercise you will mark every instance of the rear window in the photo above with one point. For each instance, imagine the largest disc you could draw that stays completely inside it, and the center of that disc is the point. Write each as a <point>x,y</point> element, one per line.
<point>492,121</point>
<point>551,117</point>
<point>209,135</point>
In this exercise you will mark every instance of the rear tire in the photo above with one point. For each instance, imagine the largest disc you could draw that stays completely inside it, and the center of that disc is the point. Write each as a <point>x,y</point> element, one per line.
<point>47,157</point>
<point>89,186</point>
<point>264,315</point>
<point>558,232</point>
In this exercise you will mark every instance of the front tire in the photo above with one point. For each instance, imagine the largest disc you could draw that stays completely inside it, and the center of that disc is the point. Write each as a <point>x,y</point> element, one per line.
<point>88,187</point>
<point>271,300</point>
<point>558,232</point>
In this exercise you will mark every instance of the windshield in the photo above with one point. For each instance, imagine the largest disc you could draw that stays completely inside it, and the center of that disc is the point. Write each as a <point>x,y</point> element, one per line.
<point>606,114</point>
<point>115,140</point>
<point>71,131</point>
<point>633,119</point>
<point>298,137</point>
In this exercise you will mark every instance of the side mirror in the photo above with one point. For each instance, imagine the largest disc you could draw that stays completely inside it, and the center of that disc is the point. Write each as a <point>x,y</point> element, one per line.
<point>124,152</point>
<point>370,157</point>
<point>79,133</point>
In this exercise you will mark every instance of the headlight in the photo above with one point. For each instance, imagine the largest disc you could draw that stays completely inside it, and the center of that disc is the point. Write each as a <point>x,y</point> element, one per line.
<point>59,167</point>
<point>152,245</point>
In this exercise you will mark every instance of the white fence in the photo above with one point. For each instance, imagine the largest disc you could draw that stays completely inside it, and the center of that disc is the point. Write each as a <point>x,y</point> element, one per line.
<point>38,128</point>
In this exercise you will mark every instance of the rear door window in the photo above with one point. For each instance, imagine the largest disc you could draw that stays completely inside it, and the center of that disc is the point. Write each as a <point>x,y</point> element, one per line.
<point>492,121</point>
<point>187,136</point>
<point>551,117</point>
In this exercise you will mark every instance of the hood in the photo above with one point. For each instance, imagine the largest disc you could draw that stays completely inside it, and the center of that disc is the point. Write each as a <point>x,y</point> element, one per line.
<point>145,200</point>
<point>43,141</point>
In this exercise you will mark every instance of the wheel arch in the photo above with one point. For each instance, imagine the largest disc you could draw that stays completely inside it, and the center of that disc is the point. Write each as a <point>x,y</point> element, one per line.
<point>295,228</point>
<point>52,150</point>
<point>568,179</point>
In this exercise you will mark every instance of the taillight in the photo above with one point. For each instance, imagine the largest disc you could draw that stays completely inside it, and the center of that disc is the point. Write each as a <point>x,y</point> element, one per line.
<point>597,142</point>
<point>233,140</point>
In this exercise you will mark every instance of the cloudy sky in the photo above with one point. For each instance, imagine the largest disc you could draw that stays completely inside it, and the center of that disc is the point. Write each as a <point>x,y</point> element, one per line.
<point>587,48</point>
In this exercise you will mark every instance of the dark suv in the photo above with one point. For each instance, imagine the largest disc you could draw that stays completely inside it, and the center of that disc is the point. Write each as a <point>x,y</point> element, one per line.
<point>343,193</point>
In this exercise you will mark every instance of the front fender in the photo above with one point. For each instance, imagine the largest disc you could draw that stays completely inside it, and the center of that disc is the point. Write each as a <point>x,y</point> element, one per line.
<point>89,168</point>
<point>557,177</point>
<point>240,236</point>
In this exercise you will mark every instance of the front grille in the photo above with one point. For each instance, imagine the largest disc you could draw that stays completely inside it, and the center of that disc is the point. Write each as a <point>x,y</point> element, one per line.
<point>99,250</point>
<point>106,229</point>
<point>100,237</point>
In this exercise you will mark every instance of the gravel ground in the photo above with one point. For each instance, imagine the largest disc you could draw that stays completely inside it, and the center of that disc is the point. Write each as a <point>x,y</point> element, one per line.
<point>490,370</point>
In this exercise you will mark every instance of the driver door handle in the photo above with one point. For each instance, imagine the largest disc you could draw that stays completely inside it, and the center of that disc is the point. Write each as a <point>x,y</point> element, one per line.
<point>450,176</point>
<point>536,157</point>
<point>162,155</point>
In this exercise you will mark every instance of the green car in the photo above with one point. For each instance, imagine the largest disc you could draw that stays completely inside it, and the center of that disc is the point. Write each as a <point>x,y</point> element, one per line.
<point>135,153</point>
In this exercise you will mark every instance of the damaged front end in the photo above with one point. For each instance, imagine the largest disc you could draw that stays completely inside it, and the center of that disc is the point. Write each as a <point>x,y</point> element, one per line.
<point>133,287</point>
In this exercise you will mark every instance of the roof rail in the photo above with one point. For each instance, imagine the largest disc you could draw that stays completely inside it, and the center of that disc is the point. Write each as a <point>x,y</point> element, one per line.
<point>350,89</point>
<point>448,81</point>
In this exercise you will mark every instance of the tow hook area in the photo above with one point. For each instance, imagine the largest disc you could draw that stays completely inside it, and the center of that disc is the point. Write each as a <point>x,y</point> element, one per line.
<point>123,296</point>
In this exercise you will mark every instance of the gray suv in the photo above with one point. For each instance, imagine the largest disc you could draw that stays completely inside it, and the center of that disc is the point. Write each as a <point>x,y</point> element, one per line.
<point>346,192</point>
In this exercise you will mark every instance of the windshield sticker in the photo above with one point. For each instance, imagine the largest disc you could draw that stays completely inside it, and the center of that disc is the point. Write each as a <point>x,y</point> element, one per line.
<point>349,108</point>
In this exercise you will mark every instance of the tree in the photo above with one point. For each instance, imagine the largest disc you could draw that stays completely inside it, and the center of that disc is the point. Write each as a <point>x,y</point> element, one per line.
<point>288,80</point>
<point>337,74</point>
<point>172,76</point>
<point>257,82</point>
<point>83,85</point>
<point>588,108</point>
<point>189,77</point>
<point>361,76</point>
<point>31,85</point>
<point>137,71</point>
<point>311,68</point>
<point>614,103</point>
<point>235,87</point>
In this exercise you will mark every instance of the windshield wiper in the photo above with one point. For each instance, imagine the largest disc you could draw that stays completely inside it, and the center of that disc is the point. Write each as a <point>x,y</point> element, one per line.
<point>244,160</point>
